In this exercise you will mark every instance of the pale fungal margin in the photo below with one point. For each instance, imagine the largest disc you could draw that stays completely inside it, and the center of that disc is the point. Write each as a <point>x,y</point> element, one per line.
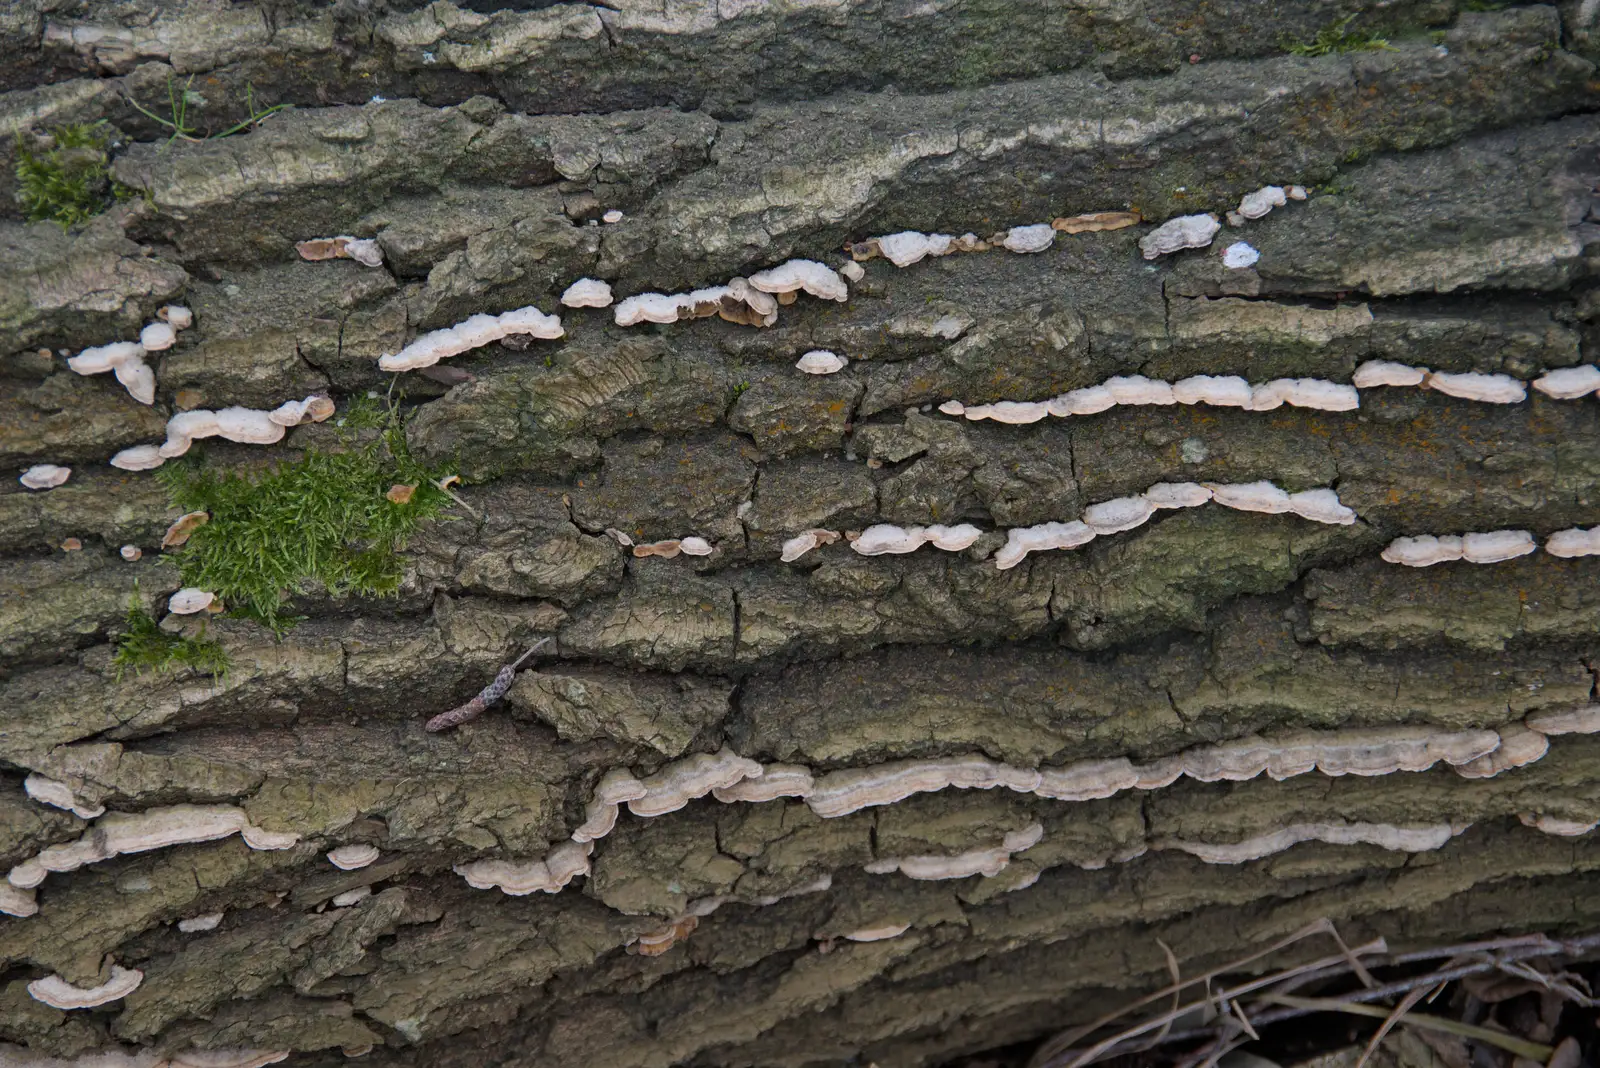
<point>821,362</point>
<point>352,897</point>
<point>802,543</point>
<point>474,332</point>
<point>247,426</point>
<point>204,922</point>
<point>59,795</point>
<point>57,993</point>
<point>671,547</point>
<point>1407,839</point>
<point>986,862</point>
<point>45,476</point>
<point>125,359</point>
<point>876,934</point>
<point>1232,391</point>
<point>563,864</point>
<point>189,600</point>
<point>587,293</point>
<point>1319,505</point>
<point>1489,547</point>
<point>353,856</point>
<point>749,301</point>
<point>15,901</point>
<point>120,832</point>
<point>1185,231</point>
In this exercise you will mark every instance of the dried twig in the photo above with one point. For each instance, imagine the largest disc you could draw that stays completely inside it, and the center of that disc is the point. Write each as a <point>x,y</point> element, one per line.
<point>1407,1003</point>
<point>486,697</point>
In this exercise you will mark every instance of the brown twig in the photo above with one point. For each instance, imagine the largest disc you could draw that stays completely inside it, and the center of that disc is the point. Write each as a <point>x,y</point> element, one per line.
<point>486,697</point>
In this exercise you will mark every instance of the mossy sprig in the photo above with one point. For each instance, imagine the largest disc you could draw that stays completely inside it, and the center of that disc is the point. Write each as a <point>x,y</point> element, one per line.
<point>70,182</point>
<point>1338,38</point>
<point>327,518</point>
<point>144,646</point>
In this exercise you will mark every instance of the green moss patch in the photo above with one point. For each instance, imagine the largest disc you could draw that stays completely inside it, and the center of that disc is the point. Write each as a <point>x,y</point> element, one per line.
<point>143,646</point>
<point>1337,38</point>
<point>327,518</point>
<point>70,182</point>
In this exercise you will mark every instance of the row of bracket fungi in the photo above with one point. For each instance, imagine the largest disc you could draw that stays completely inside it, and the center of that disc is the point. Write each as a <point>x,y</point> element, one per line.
<point>1489,547</point>
<point>731,778</point>
<point>1233,391</point>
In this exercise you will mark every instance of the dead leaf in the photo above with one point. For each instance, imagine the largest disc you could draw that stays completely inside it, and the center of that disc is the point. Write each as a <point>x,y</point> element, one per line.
<point>72,545</point>
<point>323,248</point>
<point>180,531</point>
<point>188,399</point>
<point>400,493</point>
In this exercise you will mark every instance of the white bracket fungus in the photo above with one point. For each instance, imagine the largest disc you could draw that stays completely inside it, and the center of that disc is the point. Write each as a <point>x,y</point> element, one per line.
<point>204,922</point>
<point>1384,373</point>
<point>157,337</point>
<point>615,787</point>
<point>802,543</point>
<point>474,332</point>
<point>1118,514</point>
<point>1185,231</point>
<point>57,993</point>
<point>1417,839</point>
<point>1569,383</point>
<point>852,271</point>
<point>59,795</point>
<point>189,600</point>
<point>1583,720</point>
<point>1491,389</point>
<point>840,793</point>
<point>1219,391</point>
<point>352,856</point>
<point>157,828</point>
<point>1574,542</point>
<point>1263,200</point>
<point>314,409</point>
<point>886,538</point>
<point>1096,221</point>
<point>45,476</point>
<point>139,458</point>
<point>587,293</point>
<point>655,943</point>
<point>1519,745</point>
<point>1024,239</point>
<point>1239,255</point>
<point>821,362</point>
<point>986,862</point>
<point>680,782</point>
<point>690,546</point>
<point>1565,828</point>
<point>817,279</point>
<point>1020,541</point>
<point>559,867</point>
<point>1492,547</point>
<point>1177,495</point>
<point>180,317</point>
<point>775,781</point>
<point>126,360</point>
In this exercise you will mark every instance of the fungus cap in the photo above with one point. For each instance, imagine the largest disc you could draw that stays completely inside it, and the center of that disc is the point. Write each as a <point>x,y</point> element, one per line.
<point>189,600</point>
<point>1423,551</point>
<point>693,546</point>
<point>1095,221</point>
<point>1321,506</point>
<point>248,426</point>
<point>1118,514</point>
<point>903,249</point>
<point>1574,542</point>
<point>1016,413</point>
<point>1496,546</point>
<point>821,362</point>
<point>352,896</point>
<point>818,279</point>
<point>353,856</point>
<point>1035,238</point>
<point>139,458</point>
<point>59,795</point>
<point>1177,495</point>
<point>138,379</point>
<point>45,476</point>
<point>1137,389</point>
<point>1491,389</point>
<point>1239,255</point>
<point>205,922</point>
<point>1315,393</point>
<point>695,776</point>
<point>802,543</point>
<point>57,993</point>
<point>587,293</point>
<point>886,538</point>
<point>852,271</point>
<point>1386,373</point>
<point>1255,205</point>
<point>1251,497</point>
<point>1085,401</point>
<point>130,553</point>
<point>775,781</point>
<point>180,317</point>
<point>102,358</point>
<point>1221,391</point>
<point>158,336</point>
<point>952,539</point>
<point>1185,231</point>
<point>1020,541</point>
<point>1569,383</point>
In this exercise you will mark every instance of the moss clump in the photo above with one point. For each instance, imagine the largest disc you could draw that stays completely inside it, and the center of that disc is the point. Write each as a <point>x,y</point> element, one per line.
<point>326,518</point>
<point>70,182</point>
<point>1338,38</point>
<point>144,645</point>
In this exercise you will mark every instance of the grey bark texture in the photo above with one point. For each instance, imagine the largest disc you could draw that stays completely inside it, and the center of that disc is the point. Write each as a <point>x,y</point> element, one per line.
<point>1451,224</point>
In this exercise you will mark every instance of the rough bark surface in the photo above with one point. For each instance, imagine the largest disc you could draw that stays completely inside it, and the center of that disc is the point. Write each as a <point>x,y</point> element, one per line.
<point>1452,224</point>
